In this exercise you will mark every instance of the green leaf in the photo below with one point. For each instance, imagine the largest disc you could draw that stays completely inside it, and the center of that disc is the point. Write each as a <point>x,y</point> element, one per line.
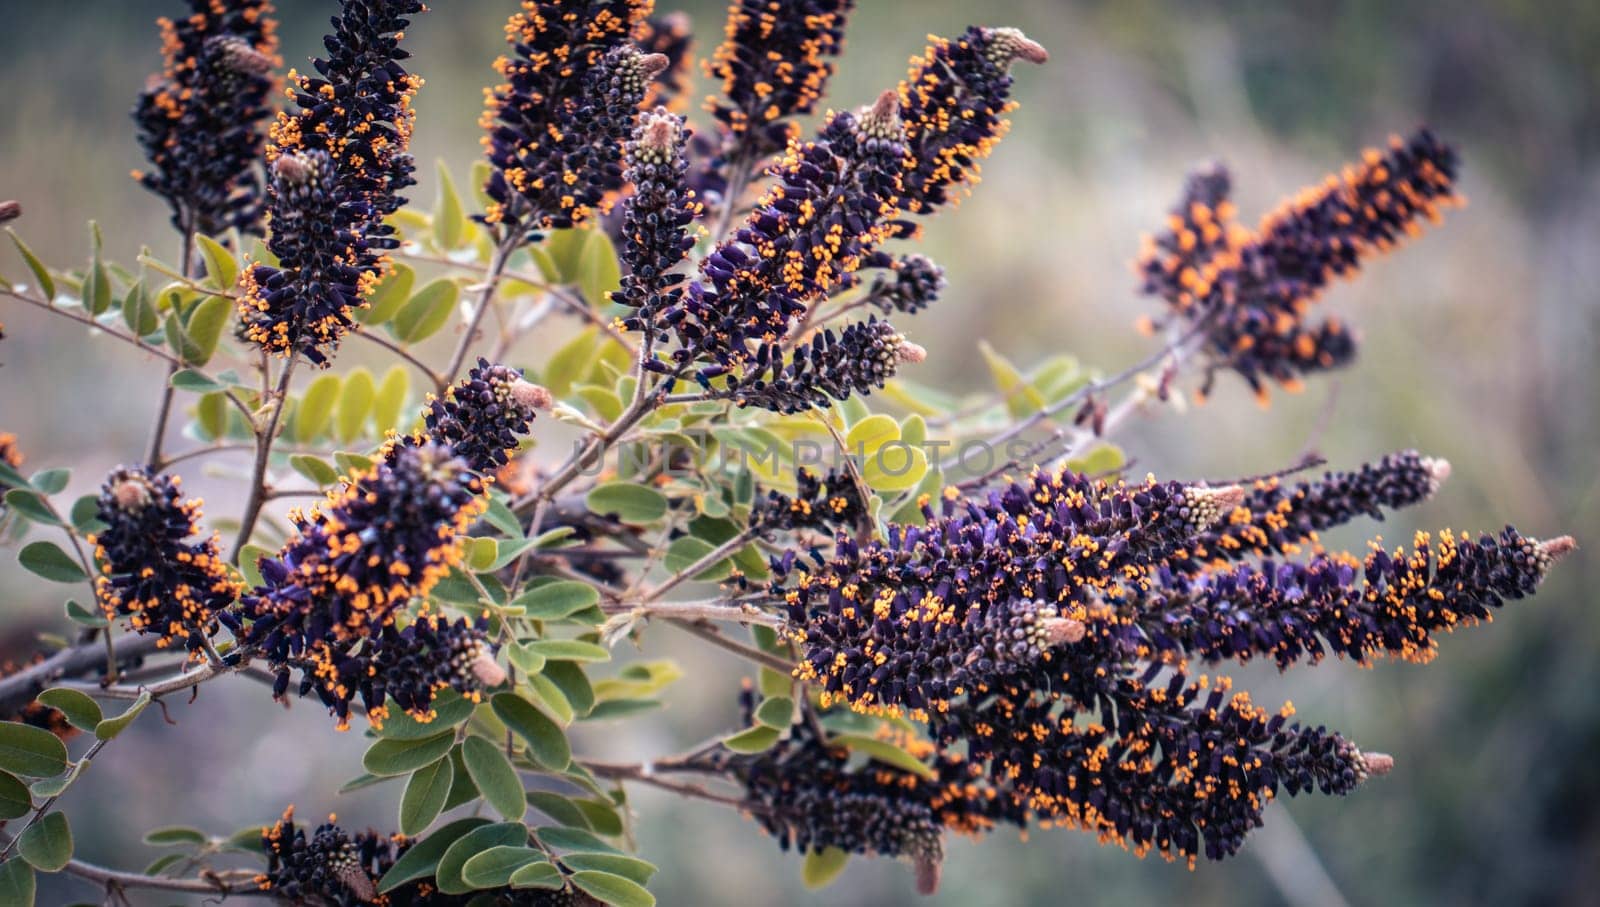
<point>222,269</point>
<point>424,796</point>
<point>505,834</point>
<point>895,467</point>
<point>777,712</point>
<point>178,340</point>
<point>196,381</point>
<point>30,505</point>
<point>204,328</point>
<point>524,660</point>
<point>493,868</point>
<point>752,740</point>
<point>554,601</point>
<point>509,550</point>
<point>388,296</point>
<point>15,801</point>
<point>1102,459</point>
<point>631,503</point>
<point>315,411</point>
<point>621,709</point>
<point>314,468</point>
<point>351,463</point>
<point>568,365</point>
<point>573,839</point>
<point>574,684</point>
<point>421,860</point>
<point>613,889</point>
<point>564,250</point>
<point>392,756</point>
<point>568,650</point>
<point>47,844</point>
<point>47,559</point>
<point>111,727</point>
<point>602,816</point>
<point>425,313</point>
<point>557,807</point>
<point>362,782</point>
<point>79,614</point>
<point>82,712</point>
<point>85,514</point>
<point>50,481</point>
<point>450,709</point>
<point>871,433</point>
<point>174,835</point>
<point>211,415</point>
<point>481,553</point>
<point>16,883</point>
<point>546,695</point>
<point>599,274</point>
<point>887,753</point>
<point>1020,398</point>
<point>463,790</point>
<point>138,312</point>
<point>390,399</point>
<point>546,743</point>
<point>449,221</point>
<point>500,516</point>
<point>41,274</point>
<point>355,403</point>
<point>821,867</point>
<point>685,552</point>
<point>496,779</point>
<point>538,875</point>
<point>617,864</point>
<point>249,559</point>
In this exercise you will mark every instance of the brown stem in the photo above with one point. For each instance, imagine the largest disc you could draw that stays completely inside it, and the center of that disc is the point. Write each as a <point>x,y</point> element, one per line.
<point>491,282</point>
<point>258,474</point>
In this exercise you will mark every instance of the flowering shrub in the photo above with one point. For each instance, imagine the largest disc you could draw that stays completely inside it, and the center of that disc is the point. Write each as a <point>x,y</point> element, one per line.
<point>937,647</point>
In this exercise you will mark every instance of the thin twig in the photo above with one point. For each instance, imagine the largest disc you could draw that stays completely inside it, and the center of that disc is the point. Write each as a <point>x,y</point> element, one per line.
<point>89,321</point>
<point>712,635</point>
<point>491,282</point>
<point>258,473</point>
<point>434,378</point>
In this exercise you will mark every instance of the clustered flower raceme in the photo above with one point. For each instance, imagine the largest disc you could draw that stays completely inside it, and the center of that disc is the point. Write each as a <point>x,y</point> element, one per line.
<point>805,793</point>
<point>335,867</point>
<point>480,417</point>
<point>410,666</point>
<point>774,64</point>
<point>1390,603</point>
<point>656,218</point>
<point>1256,289</point>
<point>353,566</point>
<point>151,572</point>
<point>338,165</point>
<point>831,503</point>
<point>199,121</point>
<point>954,103</point>
<point>1008,622</point>
<point>828,367</point>
<point>923,618</point>
<point>555,126</point>
<point>906,283</point>
<point>304,303</point>
<point>1273,520</point>
<point>835,201</point>
<point>828,210</point>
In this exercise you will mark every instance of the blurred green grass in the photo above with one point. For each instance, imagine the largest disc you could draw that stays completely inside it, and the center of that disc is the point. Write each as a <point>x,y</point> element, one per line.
<point>1480,344</point>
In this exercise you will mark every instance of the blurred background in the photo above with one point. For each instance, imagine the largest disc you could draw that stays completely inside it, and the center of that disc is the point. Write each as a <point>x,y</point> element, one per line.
<point>1480,346</point>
